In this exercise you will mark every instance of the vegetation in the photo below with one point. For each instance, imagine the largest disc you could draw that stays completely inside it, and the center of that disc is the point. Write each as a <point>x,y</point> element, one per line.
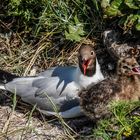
<point>124,122</point>
<point>127,11</point>
<point>42,33</point>
<point>41,17</point>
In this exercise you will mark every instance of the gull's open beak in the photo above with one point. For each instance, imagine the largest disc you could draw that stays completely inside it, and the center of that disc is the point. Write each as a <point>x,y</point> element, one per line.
<point>85,65</point>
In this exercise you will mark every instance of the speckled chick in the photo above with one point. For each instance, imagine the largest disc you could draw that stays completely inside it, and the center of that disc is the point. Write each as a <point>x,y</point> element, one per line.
<point>95,99</point>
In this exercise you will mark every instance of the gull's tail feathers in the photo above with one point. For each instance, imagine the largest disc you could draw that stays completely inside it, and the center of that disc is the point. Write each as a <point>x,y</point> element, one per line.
<point>5,77</point>
<point>2,87</point>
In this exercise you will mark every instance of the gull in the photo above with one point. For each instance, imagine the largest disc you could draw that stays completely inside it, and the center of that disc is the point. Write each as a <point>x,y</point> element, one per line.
<point>55,91</point>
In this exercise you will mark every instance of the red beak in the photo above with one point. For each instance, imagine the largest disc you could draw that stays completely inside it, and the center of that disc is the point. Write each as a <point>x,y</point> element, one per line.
<point>85,65</point>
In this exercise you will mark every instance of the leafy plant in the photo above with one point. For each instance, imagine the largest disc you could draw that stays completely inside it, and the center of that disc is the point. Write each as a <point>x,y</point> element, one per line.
<point>75,30</point>
<point>123,123</point>
<point>70,19</point>
<point>128,12</point>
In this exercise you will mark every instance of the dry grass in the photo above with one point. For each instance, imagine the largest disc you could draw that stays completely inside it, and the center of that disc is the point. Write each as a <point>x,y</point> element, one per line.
<point>18,57</point>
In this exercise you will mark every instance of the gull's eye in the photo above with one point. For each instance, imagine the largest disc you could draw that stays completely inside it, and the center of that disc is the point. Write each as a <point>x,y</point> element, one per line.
<point>92,52</point>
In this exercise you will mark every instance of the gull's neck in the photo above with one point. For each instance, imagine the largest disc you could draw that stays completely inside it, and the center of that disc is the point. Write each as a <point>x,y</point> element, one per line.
<point>84,80</point>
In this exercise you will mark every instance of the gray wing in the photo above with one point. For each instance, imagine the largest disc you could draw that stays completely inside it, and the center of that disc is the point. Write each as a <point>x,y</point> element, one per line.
<point>46,88</point>
<point>58,71</point>
<point>58,76</point>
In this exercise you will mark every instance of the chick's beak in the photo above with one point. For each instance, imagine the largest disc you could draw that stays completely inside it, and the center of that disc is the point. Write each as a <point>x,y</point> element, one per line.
<point>136,70</point>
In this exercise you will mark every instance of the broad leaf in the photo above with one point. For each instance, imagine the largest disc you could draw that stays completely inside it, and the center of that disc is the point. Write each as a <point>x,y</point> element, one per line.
<point>75,30</point>
<point>138,26</point>
<point>130,21</point>
<point>113,9</point>
<point>138,23</point>
<point>131,4</point>
<point>105,3</point>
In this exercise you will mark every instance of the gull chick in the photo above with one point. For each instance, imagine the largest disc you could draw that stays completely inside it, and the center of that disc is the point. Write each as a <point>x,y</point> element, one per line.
<point>125,85</point>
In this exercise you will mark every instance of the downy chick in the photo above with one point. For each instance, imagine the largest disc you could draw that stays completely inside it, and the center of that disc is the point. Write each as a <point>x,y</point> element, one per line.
<point>95,99</point>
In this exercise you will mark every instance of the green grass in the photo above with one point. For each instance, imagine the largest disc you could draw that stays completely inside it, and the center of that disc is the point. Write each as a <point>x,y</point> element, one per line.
<point>70,19</point>
<point>123,122</point>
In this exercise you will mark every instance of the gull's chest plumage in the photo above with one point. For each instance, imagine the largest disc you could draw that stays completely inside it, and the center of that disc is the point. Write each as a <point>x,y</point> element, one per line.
<point>84,81</point>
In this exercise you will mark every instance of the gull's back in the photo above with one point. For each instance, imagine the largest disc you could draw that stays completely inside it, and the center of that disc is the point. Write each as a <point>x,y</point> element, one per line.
<point>56,83</point>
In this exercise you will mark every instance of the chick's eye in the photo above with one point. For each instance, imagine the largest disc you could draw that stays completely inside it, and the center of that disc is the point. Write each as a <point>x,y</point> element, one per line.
<point>125,67</point>
<point>92,52</point>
